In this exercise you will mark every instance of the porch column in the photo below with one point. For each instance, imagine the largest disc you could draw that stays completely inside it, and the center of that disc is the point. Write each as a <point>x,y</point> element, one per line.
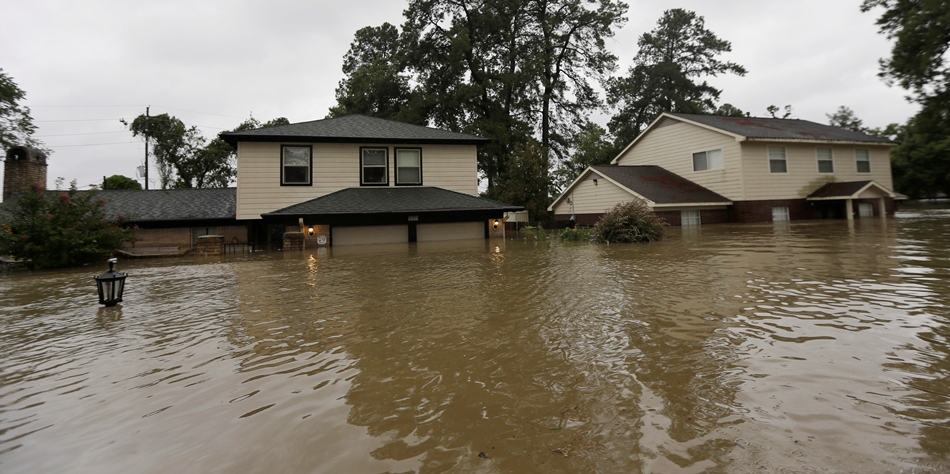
<point>849,209</point>
<point>883,206</point>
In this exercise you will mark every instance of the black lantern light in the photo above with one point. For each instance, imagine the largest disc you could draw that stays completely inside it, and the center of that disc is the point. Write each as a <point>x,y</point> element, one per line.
<point>111,284</point>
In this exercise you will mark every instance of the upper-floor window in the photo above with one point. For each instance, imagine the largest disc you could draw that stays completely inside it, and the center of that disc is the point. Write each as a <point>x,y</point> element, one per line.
<point>295,164</point>
<point>374,166</point>
<point>777,162</point>
<point>863,160</point>
<point>707,160</point>
<point>826,163</point>
<point>408,166</point>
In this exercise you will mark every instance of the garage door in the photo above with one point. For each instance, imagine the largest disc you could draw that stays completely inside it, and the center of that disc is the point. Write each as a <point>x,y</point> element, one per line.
<point>450,231</point>
<point>374,234</point>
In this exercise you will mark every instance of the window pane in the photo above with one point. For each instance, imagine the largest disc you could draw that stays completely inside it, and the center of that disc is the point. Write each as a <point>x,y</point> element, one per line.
<point>296,174</point>
<point>374,174</point>
<point>778,166</point>
<point>824,154</point>
<point>296,156</point>
<point>408,176</point>
<point>374,157</point>
<point>407,158</point>
<point>689,218</point>
<point>776,153</point>
<point>699,161</point>
<point>714,158</point>
<point>780,214</point>
<point>863,161</point>
<point>826,166</point>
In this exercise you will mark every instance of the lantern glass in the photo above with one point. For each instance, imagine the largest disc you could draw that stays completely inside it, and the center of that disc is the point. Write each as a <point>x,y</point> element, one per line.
<point>111,285</point>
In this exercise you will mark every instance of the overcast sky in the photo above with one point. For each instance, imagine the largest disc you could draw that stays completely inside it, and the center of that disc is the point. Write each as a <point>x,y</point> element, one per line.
<point>213,63</point>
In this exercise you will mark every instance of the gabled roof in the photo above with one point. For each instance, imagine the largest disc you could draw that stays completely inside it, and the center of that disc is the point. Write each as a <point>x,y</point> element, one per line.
<point>850,190</point>
<point>763,129</point>
<point>759,128</point>
<point>653,183</point>
<point>385,200</point>
<point>354,129</point>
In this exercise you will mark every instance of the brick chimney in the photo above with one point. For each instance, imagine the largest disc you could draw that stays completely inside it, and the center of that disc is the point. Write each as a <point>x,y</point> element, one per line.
<point>23,167</point>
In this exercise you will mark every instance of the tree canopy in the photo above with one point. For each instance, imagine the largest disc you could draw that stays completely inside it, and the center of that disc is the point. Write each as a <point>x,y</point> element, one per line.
<point>117,181</point>
<point>669,74</point>
<point>182,155</point>
<point>16,123</point>
<point>920,63</point>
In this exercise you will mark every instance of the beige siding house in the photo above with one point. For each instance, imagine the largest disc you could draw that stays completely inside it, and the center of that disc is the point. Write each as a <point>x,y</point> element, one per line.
<point>357,179</point>
<point>767,169</point>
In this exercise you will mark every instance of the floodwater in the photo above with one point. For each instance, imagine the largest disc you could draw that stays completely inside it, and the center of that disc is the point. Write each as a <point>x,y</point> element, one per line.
<point>804,347</point>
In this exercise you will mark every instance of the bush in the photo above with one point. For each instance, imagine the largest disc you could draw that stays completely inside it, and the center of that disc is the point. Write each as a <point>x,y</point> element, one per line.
<point>48,230</point>
<point>537,233</point>
<point>575,234</point>
<point>630,222</point>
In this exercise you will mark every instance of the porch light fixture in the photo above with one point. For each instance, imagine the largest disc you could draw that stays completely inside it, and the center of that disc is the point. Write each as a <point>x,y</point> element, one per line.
<point>111,285</point>
<point>310,231</point>
<point>495,224</point>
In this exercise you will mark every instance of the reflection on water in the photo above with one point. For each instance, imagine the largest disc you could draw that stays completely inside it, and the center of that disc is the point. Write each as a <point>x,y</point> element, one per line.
<point>814,346</point>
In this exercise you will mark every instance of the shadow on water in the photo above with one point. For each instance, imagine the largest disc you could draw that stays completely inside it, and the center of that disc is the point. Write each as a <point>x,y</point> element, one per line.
<point>812,346</point>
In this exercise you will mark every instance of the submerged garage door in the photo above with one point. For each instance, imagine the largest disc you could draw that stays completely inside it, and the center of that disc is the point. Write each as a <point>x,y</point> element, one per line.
<point>372,234</point>
<point>450,231</point>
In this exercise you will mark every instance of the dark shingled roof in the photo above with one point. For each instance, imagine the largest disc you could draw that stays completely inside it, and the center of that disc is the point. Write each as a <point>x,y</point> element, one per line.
<point>659,185</point>
<point>380,200</point>
<point>838,189</point>
<point>781,129</point>
<point>354,129</point>
<point>171,204</point>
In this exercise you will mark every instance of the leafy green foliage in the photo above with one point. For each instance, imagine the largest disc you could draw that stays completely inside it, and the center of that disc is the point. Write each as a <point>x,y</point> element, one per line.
<point>844,118</point>
<point>576,234</point>
<point>183,157</point>
<point>630,222</point>
<point>920,63</point>
<point>524,183</point>
<point>592,146</point>
<point>16,123</point>
<point>49,230</point>
<point>117,181</point>
<point>774,109</point>
<point>668,73</point>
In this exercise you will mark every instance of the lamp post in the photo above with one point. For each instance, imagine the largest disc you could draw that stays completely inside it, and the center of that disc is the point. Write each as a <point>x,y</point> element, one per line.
<point>111,284</point>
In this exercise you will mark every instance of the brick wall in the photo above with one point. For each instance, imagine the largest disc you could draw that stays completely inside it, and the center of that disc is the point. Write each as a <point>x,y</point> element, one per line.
<point>210,245</point>
<point>761,211</point>
<point>23,167</point>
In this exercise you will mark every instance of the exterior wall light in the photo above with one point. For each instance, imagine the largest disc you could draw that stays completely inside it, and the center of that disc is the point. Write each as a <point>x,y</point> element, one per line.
<point>111,285</point>
<point>310,231</point>
<point>494,225</point>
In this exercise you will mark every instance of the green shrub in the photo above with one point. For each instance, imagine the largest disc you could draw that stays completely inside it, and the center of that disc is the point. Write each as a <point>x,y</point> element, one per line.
<point>630,222</point>
<point>68,228</point>
<point>536,233</point>
<point>575,234</point>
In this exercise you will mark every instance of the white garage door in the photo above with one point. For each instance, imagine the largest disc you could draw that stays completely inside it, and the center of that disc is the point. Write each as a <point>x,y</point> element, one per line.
<point>450,231</point>
<point>374,234</point>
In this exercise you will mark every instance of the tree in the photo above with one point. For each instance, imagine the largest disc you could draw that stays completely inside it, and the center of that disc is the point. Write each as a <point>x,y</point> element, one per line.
<point>773,110</point>
<point>183,158</point>
<point>919,63</point>
<point>525,182</point>
<point>668,74</point>
<point>591,146</point>
<point>118,181</point>
<point>376,81</point>
<point>844,118</point>
<point>59,230</point>
<point>16,123</point>
<point>729,110</point>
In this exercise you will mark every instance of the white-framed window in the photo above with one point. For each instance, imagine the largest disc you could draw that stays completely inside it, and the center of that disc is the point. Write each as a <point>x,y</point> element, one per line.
<point>691,217</point>
<point>408,166</point>
<point>707,160</point>
<point>862,159</point>
<point>374,166</point>
<point>826,162</point>
<point>777,162</point>
<point>780,214</point>
<point>865,209</point>
<point>295,164</point>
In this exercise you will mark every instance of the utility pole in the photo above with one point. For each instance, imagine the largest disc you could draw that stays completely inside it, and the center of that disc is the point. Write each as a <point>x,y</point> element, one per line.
<point>146,146</point>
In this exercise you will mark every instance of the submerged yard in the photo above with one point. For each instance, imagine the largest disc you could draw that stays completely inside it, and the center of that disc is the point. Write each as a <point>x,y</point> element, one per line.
<point>806,347</point>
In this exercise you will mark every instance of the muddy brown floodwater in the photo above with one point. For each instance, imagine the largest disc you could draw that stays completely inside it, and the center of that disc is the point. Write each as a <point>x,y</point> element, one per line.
<point>809,347</point>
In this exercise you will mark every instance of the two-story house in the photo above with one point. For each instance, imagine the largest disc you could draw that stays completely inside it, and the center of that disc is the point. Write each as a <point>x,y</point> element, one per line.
<point>357,179</point>
<point>694,169</point>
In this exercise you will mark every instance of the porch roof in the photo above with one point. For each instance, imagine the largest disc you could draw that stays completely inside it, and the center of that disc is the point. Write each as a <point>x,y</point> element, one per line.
<point>852,190</point>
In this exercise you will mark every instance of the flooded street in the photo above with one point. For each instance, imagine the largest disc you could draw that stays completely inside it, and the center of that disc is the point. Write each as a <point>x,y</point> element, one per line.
<point>807,347</point>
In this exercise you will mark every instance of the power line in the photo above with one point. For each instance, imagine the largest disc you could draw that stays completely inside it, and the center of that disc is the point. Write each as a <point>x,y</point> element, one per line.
<point>78,134</point>
<point>95,144</point>
<point>78,120</point>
